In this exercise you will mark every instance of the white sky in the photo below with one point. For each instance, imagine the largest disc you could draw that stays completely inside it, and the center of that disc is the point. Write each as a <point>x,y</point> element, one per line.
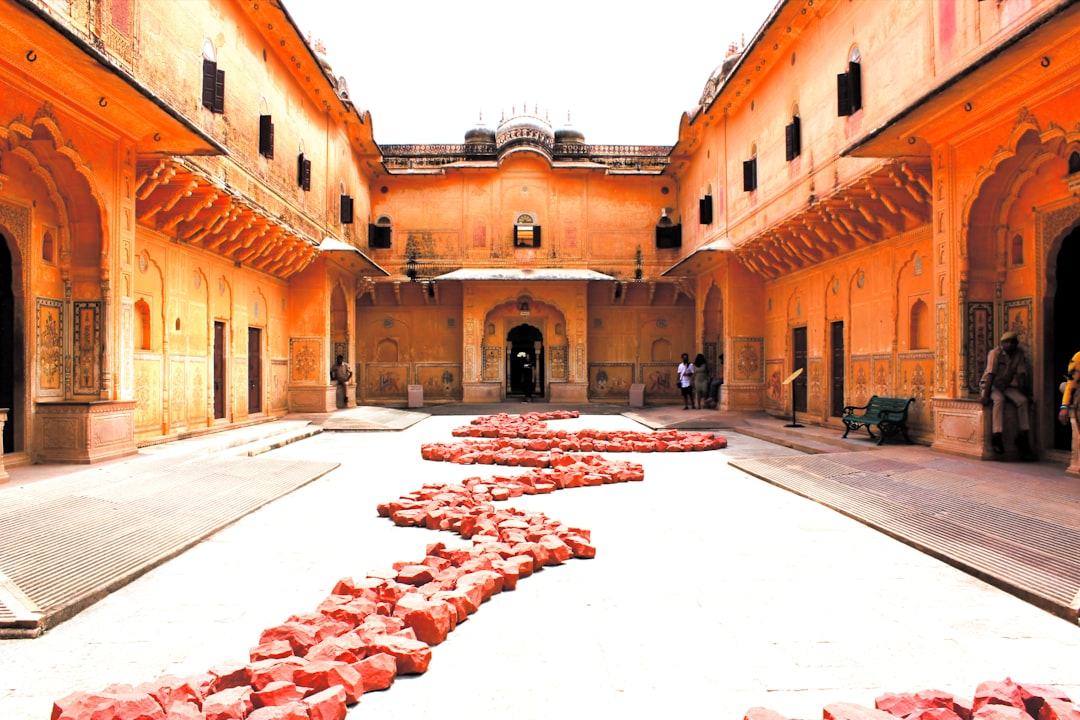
<point>625,71</point>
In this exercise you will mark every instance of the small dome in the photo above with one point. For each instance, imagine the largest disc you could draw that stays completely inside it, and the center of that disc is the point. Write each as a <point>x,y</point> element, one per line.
<point>479,134</point>
<point>569,134</point>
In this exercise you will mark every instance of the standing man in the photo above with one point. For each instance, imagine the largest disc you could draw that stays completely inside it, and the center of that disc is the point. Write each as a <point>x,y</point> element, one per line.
<point>686,381</point>
<point>527,378</point>
<point>340,374</point>
<point>1008,377</point>
<point>1069,400</point>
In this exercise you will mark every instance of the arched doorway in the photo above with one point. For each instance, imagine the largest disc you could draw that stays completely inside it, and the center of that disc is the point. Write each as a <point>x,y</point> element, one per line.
<point>9,345</point>
<point>524,343</point>
<point>1064,337</point>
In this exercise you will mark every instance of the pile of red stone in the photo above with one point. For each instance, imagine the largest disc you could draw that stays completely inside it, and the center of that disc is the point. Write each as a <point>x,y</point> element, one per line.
<point>529,432</point>
<point>1005,700</point>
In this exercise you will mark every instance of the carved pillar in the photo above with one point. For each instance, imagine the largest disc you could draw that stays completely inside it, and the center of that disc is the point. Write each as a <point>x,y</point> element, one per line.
<point>106,350</point>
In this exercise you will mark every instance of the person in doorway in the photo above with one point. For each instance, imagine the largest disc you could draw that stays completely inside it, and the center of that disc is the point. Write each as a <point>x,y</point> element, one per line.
<point>340,374</point>
<point>1008,378</point>
<point>701,381</point>
<point>527,378</point>
<point>686,381</point>
<point>1070,402</point>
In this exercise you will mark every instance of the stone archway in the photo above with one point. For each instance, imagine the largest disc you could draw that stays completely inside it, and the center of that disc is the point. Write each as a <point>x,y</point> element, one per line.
<point>11,347</point>
<point>525,344</point>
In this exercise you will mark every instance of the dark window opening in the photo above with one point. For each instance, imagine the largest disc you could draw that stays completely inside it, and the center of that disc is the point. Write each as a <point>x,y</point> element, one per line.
<point>668,236</point>
<point>266,137</point>
<point>213,87</point>
<point>379,236</point>
<point>346,210</point>
<point>749,175</point>
<point>849,90</point>
<point>792,140</point>
<point>527,236</point>
<point>705,210</point>
<point>303,172</point>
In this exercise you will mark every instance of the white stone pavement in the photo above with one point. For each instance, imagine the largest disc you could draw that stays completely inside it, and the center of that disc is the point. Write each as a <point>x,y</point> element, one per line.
<point>711,592</point>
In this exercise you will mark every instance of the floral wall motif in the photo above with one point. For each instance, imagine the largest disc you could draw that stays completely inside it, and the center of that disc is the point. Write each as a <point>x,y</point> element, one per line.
<point>916,379</point>
<point>815,386</point>
<point>980,339</point>
<point>86,353</point>
<point>559,366</point>
<point>306,361</point>
<point>747,361</point>
<point>50,347</point>
<point>493,355</point>
<point>1018,319</point>
<point>774,383</point>
<point>882,384</point>
<point>860,380</point>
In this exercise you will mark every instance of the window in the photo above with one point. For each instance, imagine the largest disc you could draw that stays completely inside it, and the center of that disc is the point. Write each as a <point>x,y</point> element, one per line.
<point>48,248</point>
<point>266,137</point>
<point>213,81</point>
<point>379,233</point>
<point>526,232</point>
<point>749,175</point>
<point>1074,163</point>
<point>920,326</point>
<point>303,172</point>
<point>849,86</point>
<point>346,209</point>
<point>792,139</point>
<point>142,325</point>
<point>1017,250</point>
<point>705,210</point>
<point>668,234</point>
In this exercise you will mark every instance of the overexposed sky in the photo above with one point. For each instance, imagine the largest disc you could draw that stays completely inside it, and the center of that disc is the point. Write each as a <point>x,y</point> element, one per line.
<point>624,71</point>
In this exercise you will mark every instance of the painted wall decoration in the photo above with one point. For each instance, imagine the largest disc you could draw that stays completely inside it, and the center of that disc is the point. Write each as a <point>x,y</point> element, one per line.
<point>815,385</point>
<point>1018,319</point>
<point>147,388</point>
<point>306,361</point>
<point>610,380</point>
<point>660,379</point>
<point>441,381</point>
<point>860,379</point>
<point>774,383</point>
<point>882,384</point>
<point>747,363</point>
<point>916,378</point>
<point>86,355</point>
<point>493,355</point>
<point>559,366</point>
<point>386,381</point>
<point>980,339</point>
<point>50,347</point>
<point>279,385</point>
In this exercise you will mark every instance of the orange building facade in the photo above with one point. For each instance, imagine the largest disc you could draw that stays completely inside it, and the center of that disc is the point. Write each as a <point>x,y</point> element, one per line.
<point>196,220</point>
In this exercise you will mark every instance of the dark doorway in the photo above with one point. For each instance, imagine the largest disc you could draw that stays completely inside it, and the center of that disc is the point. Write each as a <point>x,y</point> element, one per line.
<point>526,343</point>
<point>839,368</point>
<point>8,345</point>
<point>219,370</point>
<point>1064,341</point>
<point>798,387</point>
<point>254,370</point>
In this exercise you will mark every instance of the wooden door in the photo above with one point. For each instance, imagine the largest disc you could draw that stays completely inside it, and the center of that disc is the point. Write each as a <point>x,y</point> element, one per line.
<point>219,370</point>
<point>254,370</point>
<point>838,369</point>
<point>798,387</point>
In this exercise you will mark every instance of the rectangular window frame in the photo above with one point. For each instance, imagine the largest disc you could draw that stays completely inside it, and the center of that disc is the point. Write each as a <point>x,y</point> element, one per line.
<point>792,139</point>
<point>213,87</point>
<point>266,137</point>
<point>749,175</point>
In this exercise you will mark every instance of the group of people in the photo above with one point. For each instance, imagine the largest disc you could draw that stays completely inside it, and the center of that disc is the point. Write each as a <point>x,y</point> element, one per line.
<point>697,388</point>
<point>1008,379</point>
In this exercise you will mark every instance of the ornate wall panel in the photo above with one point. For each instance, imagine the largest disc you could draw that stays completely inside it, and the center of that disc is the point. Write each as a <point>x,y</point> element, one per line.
<point>279,385</point>
<point>660,379</point>
<point>86,351</point>
<point>559,367</point>
<point>883,379</point>
<point>493,356</point>
<point>860,368</point>
<point>386,381</point>
<point>916,380</point>
<point>50,348</point>
<point>1018,318</point>
<point>980,339</point>
<point>147,393</point>
<point>815,386</point>
<point>747,361</point>
<point>196,391</point>
<point>306,361</point>
<point>774,383</point>
<point>610,380</point>
<point>178,393</point>
<point>441,381</point>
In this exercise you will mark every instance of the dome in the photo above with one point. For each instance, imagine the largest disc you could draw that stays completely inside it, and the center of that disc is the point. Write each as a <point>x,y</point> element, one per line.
<point>569,134</point>
<point>480,134</point>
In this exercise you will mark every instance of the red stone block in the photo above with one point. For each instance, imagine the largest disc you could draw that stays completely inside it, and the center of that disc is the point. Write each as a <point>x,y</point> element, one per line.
<point>1035,695</point>
<point>231,704</point>
<point>169,689</point>
<point>933,713</point>
<point>184,711</point>
<point>558,551</point>
<point>290,711</point>
<point>415,575</point>
<point>271,650</point>
<point>904,704</point>
<point>992,692</point>
<point>510,573</point>
<point>462,602</point>
<point>377,671</point>
<point>279,692</point>
<point>300,636</point>
<point>431,620</point>
<point>120,705</point>
<point>1058,709</point>
<point>490,582</point>
<point>380,625</point>
<point>326,705</point>
<point>580,546</point>
<point>265,672</point>
<point>326,674</point>
<point>851,711</point>
<point>227,675</point>
<point>347,648</point>
<point>412,656</point>
<point>994,711</point>
<point>760,713</point>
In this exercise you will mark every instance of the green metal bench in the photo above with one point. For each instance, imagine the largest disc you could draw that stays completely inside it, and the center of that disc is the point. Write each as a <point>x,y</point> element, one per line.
<point>887,414</point>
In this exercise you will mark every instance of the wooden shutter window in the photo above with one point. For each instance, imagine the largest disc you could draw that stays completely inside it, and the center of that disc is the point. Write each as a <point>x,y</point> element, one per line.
<point>266,137</point>
<point>792,140</point>
<point>346,210</point>
<point>379,236</point>
<point>705,210</point>
<point>668,236</point>
<point>749,175</point>
<point>849,90</point>
<point>209,83</point>
<point>303,172</point>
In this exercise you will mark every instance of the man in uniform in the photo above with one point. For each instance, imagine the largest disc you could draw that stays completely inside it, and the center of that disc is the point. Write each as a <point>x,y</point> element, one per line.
<point>1008,378</point>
